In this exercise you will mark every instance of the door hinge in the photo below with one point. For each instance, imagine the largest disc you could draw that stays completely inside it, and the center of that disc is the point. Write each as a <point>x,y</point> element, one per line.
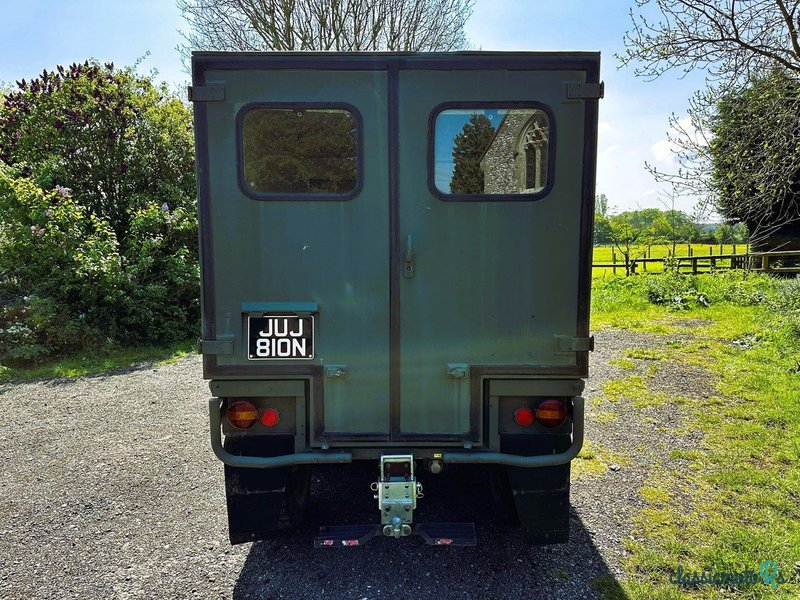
<point>566,344</point>
<point>216,346</point>
<point>206,93</point>
<point>578,90</point>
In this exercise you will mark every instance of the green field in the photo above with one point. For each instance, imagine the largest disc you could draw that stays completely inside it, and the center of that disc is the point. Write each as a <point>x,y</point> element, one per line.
<point>607,254</point>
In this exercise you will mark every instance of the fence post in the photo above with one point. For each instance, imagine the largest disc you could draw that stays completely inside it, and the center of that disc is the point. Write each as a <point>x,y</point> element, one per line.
<point>765,263</point>
<point>694,265</point>
<point>614,262</point>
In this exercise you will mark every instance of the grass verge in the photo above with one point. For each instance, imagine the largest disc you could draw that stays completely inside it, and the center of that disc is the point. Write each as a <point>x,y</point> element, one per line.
<point>88,363</point>
<point>739,500</point>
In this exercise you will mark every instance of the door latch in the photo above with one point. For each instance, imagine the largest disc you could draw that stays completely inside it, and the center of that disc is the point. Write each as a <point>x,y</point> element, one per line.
<point>408,263</point>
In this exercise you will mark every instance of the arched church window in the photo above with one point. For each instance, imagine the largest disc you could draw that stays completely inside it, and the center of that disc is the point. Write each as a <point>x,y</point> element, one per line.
<point>533,148</point>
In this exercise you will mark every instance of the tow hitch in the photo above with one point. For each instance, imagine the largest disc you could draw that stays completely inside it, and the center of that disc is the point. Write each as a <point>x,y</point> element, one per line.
<point>397,491</point>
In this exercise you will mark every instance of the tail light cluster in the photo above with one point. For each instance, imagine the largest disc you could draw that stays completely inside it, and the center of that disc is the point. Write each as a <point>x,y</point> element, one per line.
<point>550,412</point>
<point>243,414</point>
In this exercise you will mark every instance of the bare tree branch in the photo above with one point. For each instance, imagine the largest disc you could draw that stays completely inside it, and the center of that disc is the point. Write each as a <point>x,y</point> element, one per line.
<point>740,156</point>
<point>324,25</point>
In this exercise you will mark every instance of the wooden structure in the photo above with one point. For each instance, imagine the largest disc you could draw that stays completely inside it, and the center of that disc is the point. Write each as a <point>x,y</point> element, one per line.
<point>784,262</point>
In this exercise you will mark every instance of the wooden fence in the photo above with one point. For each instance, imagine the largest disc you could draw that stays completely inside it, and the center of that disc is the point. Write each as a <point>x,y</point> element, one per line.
<point>787,261</point>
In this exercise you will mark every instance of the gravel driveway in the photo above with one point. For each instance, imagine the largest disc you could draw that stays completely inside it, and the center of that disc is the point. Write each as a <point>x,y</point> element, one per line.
<point>109,489</point>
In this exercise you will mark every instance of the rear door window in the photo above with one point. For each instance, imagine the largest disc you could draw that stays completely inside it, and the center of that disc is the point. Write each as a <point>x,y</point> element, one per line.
<point>300,151</point>
<point>492,152</point>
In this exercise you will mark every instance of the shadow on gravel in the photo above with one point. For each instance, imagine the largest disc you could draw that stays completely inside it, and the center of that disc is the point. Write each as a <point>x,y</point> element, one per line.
<point>501,566</point>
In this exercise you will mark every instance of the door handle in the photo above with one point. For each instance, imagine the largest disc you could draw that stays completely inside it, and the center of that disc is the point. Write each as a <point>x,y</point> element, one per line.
<point>408,263</point>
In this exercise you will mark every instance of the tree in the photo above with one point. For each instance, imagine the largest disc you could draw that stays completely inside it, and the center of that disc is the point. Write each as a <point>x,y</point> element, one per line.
<point>754,153</point>
<point>110,136</point>
<point>740,233</point>
<point>601,205</point>
<point>602,230</point>
<point>732,40</point>
<point>625,234</point>
<point>736,42</point>
<point>325,25</point>
<point>469,147</point>
<point>724,233</point>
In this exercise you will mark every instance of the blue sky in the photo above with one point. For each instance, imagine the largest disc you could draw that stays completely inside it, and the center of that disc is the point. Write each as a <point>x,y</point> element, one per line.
<point>40,34</point>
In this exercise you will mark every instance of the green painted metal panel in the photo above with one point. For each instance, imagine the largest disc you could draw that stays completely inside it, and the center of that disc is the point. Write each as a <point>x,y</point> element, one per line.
<point>494,281</point>
<point>332,254</point>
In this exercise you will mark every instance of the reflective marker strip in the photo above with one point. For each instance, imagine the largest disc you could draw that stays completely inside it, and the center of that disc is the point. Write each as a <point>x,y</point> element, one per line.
<point>327,542</point>
<point>443,541</point>
<point>350,542</point>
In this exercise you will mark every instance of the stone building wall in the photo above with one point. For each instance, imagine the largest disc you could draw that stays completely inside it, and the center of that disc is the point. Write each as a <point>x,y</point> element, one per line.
<point>511,165</point>
<point>499,163</point>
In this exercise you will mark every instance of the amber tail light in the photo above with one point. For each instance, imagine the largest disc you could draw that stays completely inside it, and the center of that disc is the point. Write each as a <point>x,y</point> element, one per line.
<point>551,413</point>
<point>242,414</point>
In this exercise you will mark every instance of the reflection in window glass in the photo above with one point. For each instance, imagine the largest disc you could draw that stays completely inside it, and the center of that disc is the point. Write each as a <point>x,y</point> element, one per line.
<point>491,151</point>
<point>300,151</point>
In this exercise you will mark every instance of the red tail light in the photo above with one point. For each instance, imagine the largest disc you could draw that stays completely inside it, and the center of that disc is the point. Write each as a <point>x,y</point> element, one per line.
<point>551,413</point>
<point>523,417</point>
<point>242,414</point>
<point>270,417</point>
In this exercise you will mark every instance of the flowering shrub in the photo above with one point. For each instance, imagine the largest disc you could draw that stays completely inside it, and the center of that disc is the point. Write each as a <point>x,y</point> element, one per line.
<point>98,233</point>
<point>110,135</point>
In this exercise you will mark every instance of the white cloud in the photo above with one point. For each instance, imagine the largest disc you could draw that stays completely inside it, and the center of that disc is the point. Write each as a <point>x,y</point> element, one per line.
<point>662,151</point>
<point>604,127</point>
<point>609,151</point>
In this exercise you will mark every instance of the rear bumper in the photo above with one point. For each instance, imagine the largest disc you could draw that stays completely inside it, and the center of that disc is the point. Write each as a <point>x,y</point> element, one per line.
<point>338,457</point>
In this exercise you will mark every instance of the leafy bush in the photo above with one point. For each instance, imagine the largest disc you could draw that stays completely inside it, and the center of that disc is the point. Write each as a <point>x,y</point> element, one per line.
<point>66,283</point>
<point>108,256</point>
<point>675,291</point>
<point>162,276</point>
<point>779,297</point>
<point>110,135</point>
<point>785,303</point>
<point>59,271</point>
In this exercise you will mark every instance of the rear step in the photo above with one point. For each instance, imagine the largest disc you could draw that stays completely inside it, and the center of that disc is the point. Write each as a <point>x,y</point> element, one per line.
<point>435,534</point>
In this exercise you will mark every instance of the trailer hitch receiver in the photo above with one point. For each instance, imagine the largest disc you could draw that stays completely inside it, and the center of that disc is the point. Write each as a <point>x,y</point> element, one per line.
<point>396,491</point>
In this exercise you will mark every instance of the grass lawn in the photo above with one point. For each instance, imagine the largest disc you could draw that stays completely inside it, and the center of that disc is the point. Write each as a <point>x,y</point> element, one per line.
<point>87,363</point>
<point>744,479</point>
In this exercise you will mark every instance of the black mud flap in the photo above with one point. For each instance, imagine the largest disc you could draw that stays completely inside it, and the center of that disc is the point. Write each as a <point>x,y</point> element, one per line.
<point>255,497</point>
<point>541,494</point>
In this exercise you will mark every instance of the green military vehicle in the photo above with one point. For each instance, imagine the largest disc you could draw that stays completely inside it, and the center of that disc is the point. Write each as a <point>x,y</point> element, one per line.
<point>396,266</point>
